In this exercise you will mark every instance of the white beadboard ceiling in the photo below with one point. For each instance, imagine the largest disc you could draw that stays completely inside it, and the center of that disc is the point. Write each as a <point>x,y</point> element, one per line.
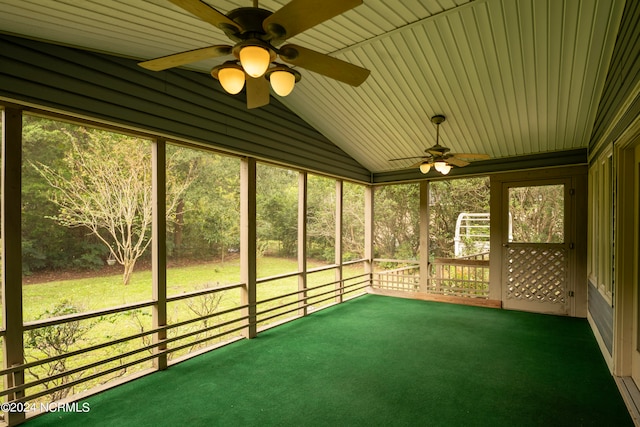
<point>513,77</point>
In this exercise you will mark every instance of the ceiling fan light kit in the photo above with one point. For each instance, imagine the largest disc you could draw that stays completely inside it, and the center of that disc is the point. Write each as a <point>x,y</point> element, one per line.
<point>439,157</point>
<point>257,32</point>
<point>425,167</point>
<point>230,75</point>
<point>255,60</point>
<point>282,79</point>
<point>442,167</point>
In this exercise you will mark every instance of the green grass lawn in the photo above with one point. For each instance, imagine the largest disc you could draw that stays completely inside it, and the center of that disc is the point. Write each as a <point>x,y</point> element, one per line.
<point>107,291</point>
<point>102,292</point>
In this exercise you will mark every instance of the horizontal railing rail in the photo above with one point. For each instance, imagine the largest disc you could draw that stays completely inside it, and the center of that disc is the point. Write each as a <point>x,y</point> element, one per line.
<point>35,324</point>
<point>479,255</point>
<point>305,304</point>
<point>204,291</point>
<point>162,347</point>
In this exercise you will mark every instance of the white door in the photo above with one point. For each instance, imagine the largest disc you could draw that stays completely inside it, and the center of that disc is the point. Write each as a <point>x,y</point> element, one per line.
<point>537,247</point>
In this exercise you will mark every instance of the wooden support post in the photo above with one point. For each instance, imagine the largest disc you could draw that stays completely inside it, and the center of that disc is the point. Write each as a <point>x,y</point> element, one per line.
<point>302,242</point>
<point>338,240</point>
<point>159,250</point>
<point>12,253</point>
<point>368,232</point>
<point>424,236</point>
<point>496,232</point>
<point>248,243</point>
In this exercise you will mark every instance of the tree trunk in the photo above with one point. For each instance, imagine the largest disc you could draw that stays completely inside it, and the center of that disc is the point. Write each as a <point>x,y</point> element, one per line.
<point>178,228</point>
<point>128,269</point>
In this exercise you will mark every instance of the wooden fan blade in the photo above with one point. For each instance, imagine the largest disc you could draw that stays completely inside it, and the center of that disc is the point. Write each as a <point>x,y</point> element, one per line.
<point>299,15</point>
<point>408,158</point>
<point>187,57</point>
<point>326,65</point>
<point>257,91</point>
<point>207,14</point>
<point>471,156</point>
<point>456,162</point>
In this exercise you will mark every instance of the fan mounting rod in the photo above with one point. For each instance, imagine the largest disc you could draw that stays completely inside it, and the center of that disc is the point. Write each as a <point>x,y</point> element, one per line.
<point>437,120</point>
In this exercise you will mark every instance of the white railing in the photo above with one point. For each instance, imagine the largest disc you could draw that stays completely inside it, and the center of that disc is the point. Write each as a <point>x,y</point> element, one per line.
<point>463,277</point>
<point>398,279</point>
<point>459,277</point>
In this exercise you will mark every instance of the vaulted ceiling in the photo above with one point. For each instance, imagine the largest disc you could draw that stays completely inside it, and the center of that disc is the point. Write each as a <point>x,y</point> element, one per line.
<point>513,77</point>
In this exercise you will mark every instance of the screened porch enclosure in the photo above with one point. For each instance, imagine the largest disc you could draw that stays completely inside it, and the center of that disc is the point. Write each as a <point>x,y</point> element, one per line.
<point>280,244</point>
<point>334,232</point>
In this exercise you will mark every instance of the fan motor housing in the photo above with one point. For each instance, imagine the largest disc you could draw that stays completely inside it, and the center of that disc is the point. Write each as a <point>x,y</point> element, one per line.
<point>250,20</point>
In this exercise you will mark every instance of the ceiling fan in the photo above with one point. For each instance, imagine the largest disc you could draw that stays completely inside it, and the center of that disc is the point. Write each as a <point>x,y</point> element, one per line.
<point>439,157</point>
<point>256,33</point>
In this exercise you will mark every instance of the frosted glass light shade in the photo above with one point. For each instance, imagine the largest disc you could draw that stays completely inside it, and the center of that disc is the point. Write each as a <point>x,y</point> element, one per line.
<point>425,167</point>
<point>231,79</point>
<point>442,167</point>
<point>255,60</point>
<point>282,82</point>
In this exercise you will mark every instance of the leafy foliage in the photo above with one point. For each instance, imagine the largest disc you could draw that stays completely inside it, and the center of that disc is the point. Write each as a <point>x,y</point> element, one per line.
<point>102,183</point>
<point>321,218</point>
<point>206,221</point>
<point>397,221</point>
<point>448,198</point>
<point>277,205</point>
<point>86,196</point>
<point>46,245</point>
<point>55,340</point>
<point>537,213</point>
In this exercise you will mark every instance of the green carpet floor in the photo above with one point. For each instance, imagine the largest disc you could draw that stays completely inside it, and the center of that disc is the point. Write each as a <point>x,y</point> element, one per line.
<point>380,361</point>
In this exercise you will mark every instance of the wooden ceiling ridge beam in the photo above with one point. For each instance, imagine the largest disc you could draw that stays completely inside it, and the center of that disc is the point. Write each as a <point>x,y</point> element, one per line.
<point>408,26</point>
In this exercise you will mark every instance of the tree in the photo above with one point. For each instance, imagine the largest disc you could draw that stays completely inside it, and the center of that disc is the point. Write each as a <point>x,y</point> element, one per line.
<point>105,187</point>
<point>537,213</point>
<point>46,245</point>
<point>321,218</point>
<point>353,221</point>
<point>207,219</point>
<point>397,221</point>
<point>277,206</point>
<point>448,198</point>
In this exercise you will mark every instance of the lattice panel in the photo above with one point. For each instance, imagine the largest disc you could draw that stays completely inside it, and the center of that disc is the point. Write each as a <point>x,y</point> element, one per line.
<point>537,274</point>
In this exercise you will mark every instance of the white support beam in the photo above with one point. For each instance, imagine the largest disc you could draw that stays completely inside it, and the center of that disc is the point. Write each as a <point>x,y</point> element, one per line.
<point>248,243</point>
<point>495,246</point>
<point>338,239</point>
<point>424,235</point>
<point>159,249</point>
<point>12,253</point>
<point>302,242</point>
<point>368,230</point>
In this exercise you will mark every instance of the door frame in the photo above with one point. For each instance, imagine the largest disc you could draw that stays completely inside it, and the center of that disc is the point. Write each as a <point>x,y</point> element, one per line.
<point>575,229</point>
<point>568,245</point>
<point>625,292</point>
